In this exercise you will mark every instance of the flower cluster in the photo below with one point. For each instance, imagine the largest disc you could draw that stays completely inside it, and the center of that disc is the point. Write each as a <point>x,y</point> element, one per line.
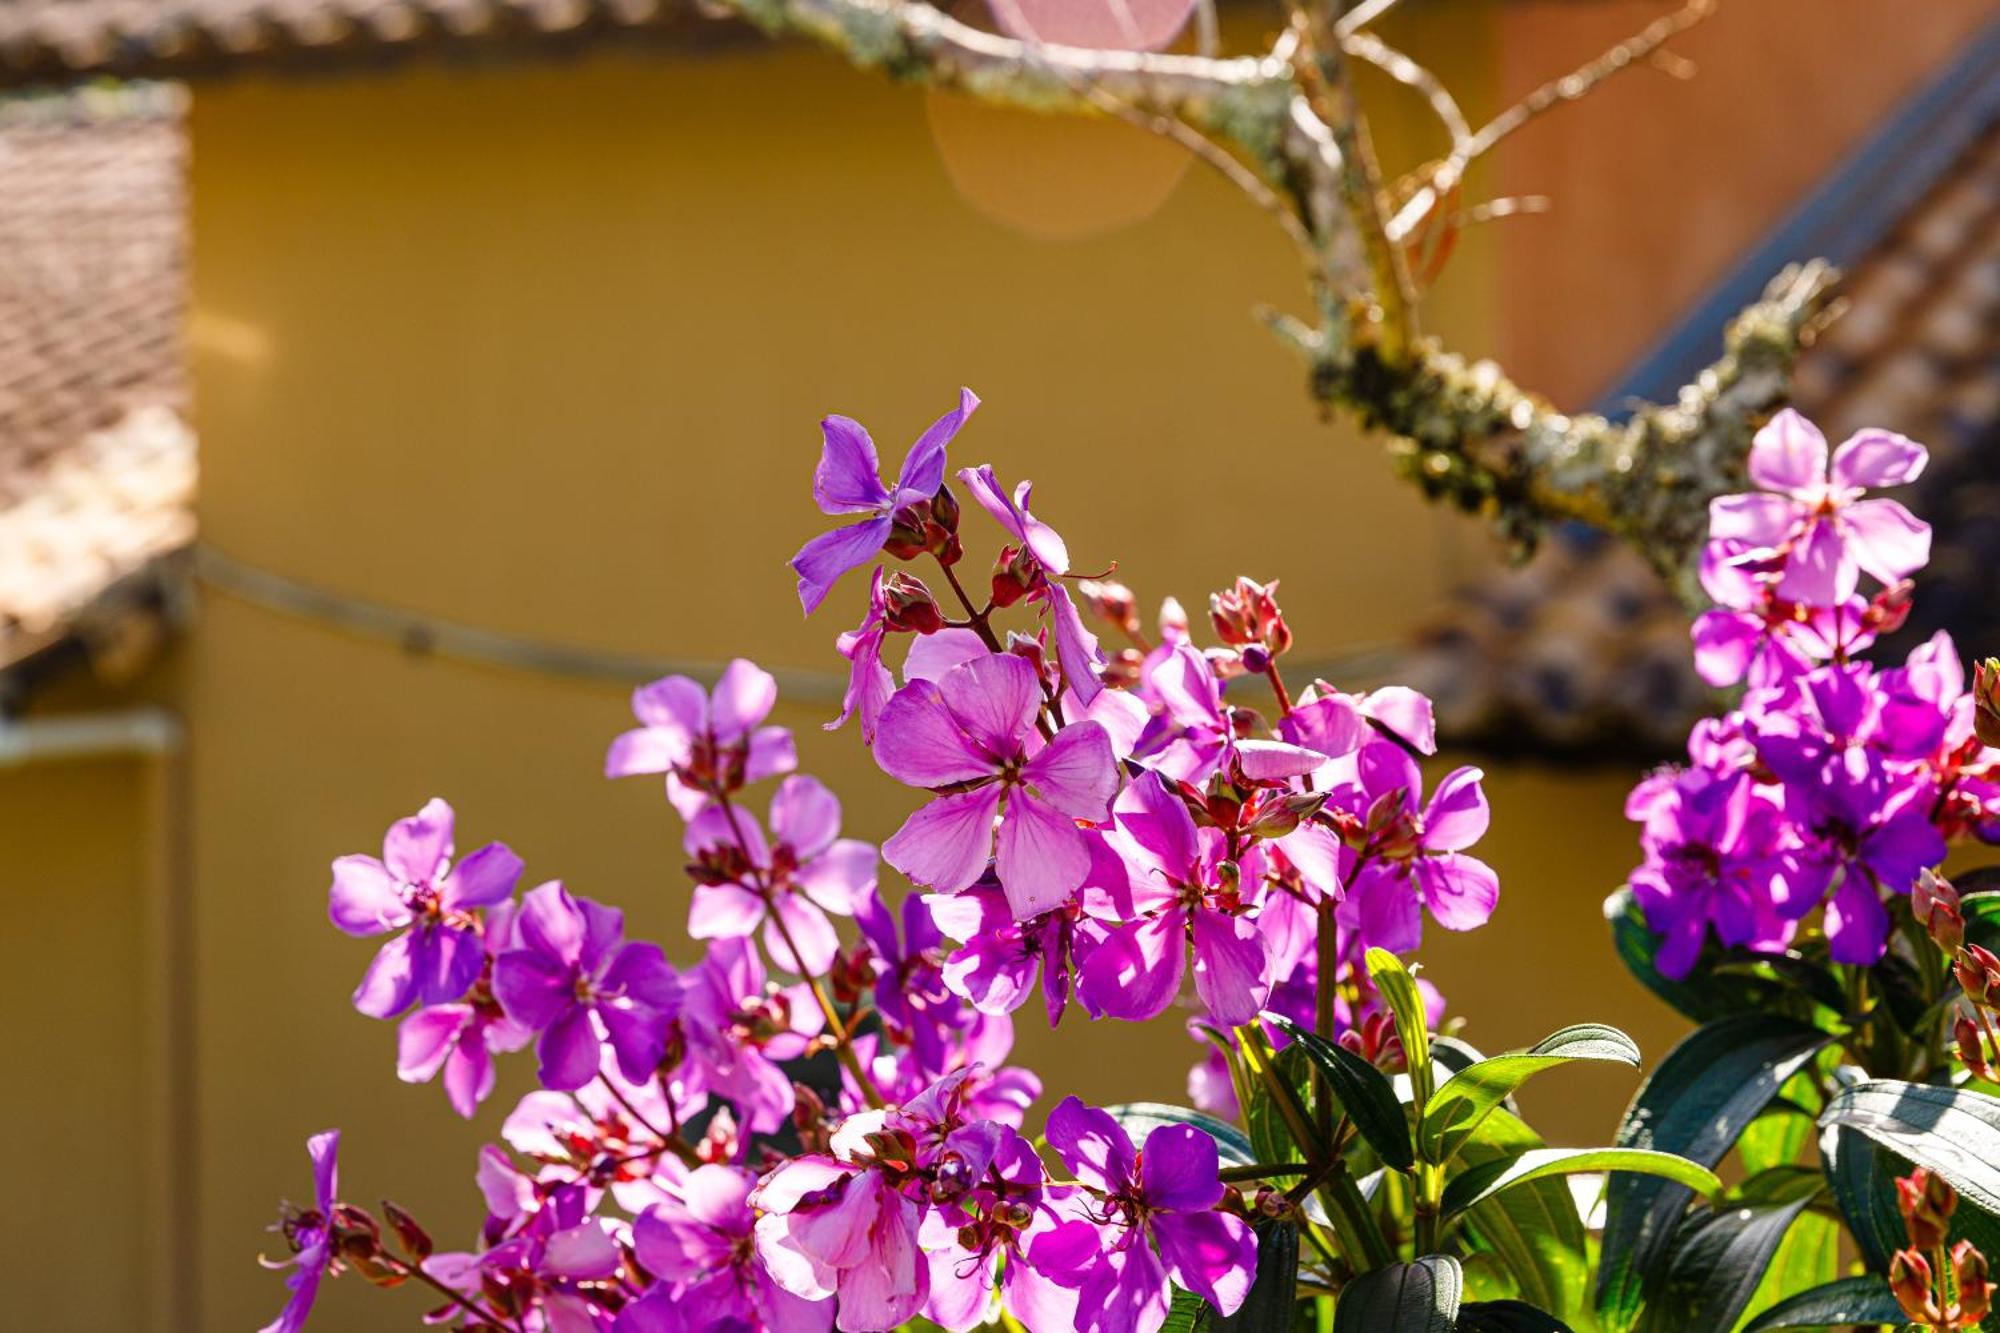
<point>1941,1290</point>
<point>1834,782</point>
<point>1112,830</point>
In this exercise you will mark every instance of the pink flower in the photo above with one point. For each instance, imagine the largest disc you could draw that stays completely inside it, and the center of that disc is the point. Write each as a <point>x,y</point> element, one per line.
<point>1076,646</point>
<point>1188,891</point>
<point>460,1038</point>
<point>738,1029</point>
<point>840,1226</point>
<point>698,1242</point>
<point>704,742</point>
<point>1412,855</point>
<point>848,481</point>
<point>1157,1218</point>
<point>1812,512</point>
<point>416,885</point>
<point>310,1234</point>
<point>974,733</point>
<point>804,872</point>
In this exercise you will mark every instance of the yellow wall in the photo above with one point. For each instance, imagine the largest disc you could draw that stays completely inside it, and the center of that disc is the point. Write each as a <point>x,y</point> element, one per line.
<point>540,348</point>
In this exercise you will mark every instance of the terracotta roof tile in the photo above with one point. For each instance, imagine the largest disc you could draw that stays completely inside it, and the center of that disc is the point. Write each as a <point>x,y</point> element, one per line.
<point>96,468</point>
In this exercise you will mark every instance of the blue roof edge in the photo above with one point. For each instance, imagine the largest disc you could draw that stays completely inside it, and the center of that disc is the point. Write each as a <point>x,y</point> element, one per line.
<point>1849,210</point>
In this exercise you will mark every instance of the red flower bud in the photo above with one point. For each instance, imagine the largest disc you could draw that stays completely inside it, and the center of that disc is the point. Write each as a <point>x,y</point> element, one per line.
<point>416,1242</point>
<point>908,606</point>
<point>1248,614</point>
<point>1975,1296</point>
<point>1986,701</point>
<point>1889,608</point>
<point>1910,1279</point>
<point>1111,602</point>
<point>1926,1203</point>
<point>1978,973</point>
<point>1970,1049</point>
<point>1014,575</point>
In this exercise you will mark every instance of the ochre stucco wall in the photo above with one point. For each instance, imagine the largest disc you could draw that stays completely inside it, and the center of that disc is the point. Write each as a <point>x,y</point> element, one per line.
<point>540,348</point>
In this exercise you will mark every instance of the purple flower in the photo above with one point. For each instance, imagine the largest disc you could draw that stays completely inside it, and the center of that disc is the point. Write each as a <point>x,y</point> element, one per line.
<point>869,683</point>
<point>461,1038</point>
<point>1000,958</point>
<point>840,1226</point>
<point>1157,1218</point>
<point>1189,891</point>
<point>310,1234</point>
<point>787,885</point>
<point>1414,855</point>
<point>738,1029</point>
<point>699,1243</point>
<point>1864,835</point>
<point>1753,634</point>
<point>1076,646</point>
<point>1010,1229</point>
<point>920,1010</point>
<point>416,885</point>
<point>705,743</point>
<point>1812,512</point>
<point>848,481</point>
<point>556,1249</point>
<point>1717,853</point>
<point>573,967</point>
<point>974,733</point>
<point>1206,740</point>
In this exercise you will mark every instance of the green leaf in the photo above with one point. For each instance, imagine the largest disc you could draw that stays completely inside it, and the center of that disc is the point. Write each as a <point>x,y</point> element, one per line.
<point>1863,1182</point>
<point>1274,1295</point>
<point>1399,991</point>
<point>1364,1092</point>
<point>1269,1136</point>
<point>1807,1257</point>
<point>1719,1261</point>
<point>1952,1131</point>
<point>1457,1108</point>
<point>1712,1085</point>
<point>1775,1185</point>
<point>1490,1178</point>
<point>1188,1314</point>
<point>1402,1298</point>
<point>1141,1118</point>
<point>1508,1317</point>
<point>1706,993</point>
<point>1851,1300</point>
<point>1532,1230</point>
<point>1786,1126</point>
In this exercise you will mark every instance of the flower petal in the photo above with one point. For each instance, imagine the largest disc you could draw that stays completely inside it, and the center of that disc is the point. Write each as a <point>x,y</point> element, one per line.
<point>1077,772</point>
<point>365,898</point>
<point>805,815</point>
<point>1788,454</point>
<point>1459,890</point>
<point>568,1050</point>
<point>922,474</point>
<point>391,982</point>
<point>1759,519</point>
<point>744,697</point>
<point>417,846</point>
<point>1230,960</point>
<point>1821,570</point>
<point>1871,458</point>
<point>995,699</point>
<point>1178,1170</point>
<point>920,742</point>
<point>1136,971</point>
<point>821,561</point>
<point>1457,815</point>
<point>1092,1145</point>
<point>944,845</point>
<point>1212,1254</point>
<point>484,878</point>
<point>1886,539</point>
<point>848,479</point>
<point>1042,856</point>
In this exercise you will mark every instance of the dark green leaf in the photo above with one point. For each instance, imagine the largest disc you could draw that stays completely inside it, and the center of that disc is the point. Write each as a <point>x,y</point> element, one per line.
<point>1777,1184</point>
<point>1364,1092</point>
<point>1862,1179</point>
<point>1902,992</point>
<point>1490,1178</point>
<point>1851,1300</point>
<point>1808,1256</point>
<point>1954,1132</point>
<point>1718,1262</point>
<point>1141,1118</point>
<point>1794,972</point>
<point>1705,993</point>
<point>1457,1108</point>
<point>1532,1230</point>
<point>1507,1317</point>
<point>1274,1296</point>
<point>1712,1085</point>
<point>1401,1298</point>
<point>1188,1314</point>
<point>1270,1138</point>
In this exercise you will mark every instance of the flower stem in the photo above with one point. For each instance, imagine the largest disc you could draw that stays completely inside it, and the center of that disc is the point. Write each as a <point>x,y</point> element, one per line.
<point>850,1060</point>
<point>974,617</point>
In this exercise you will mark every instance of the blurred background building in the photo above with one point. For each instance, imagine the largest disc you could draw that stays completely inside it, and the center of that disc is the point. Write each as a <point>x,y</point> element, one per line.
<point>500,330</point>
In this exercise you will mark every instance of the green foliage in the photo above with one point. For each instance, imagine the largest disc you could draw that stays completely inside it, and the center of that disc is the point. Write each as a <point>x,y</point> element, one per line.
<point>1365,1094</point>
<point>1465,1099</point>
<point>1850,1300</point>
<point>1420,1297</point>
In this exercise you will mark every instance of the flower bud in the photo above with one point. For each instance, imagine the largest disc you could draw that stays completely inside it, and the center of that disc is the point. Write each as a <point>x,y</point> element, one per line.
<point>1926,1203</point>
<point>1975,1296</point>
<point>1014,574</point>
<point>1173,619</point>
<point>1248,614</point>
<point>1970,1050</point>
<point>1111,602</point>
<point>1986,701</point>
<point>908,606</point>
<point>1910,1280</point>
<point>1935,904</point>
<point>416,1242</point>
<point>1889,608</point>
<point>944,509</point>
<point>1978,973</point>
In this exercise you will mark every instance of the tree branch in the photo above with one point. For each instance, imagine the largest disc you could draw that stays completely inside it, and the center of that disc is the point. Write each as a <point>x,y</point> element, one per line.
<point>1286,127</point>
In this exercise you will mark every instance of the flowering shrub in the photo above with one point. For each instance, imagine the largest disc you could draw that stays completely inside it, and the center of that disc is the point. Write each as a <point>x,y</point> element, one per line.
<point>814,1126</point>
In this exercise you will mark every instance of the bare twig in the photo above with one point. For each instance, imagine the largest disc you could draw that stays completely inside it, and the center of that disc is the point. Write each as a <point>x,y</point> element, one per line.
<point>1640,47</point>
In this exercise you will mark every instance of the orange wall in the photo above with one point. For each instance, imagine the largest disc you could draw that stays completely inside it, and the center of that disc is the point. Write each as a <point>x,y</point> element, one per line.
<point>1659,184</point>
